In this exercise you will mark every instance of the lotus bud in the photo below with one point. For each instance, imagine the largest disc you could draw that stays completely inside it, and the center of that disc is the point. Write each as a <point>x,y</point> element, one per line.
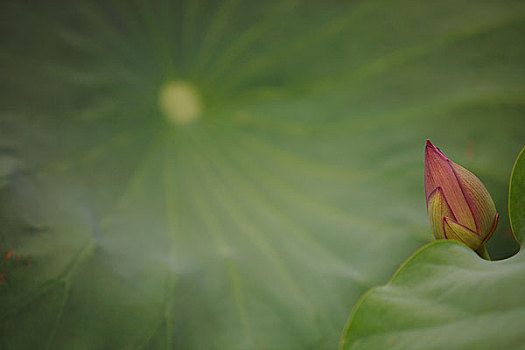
<point>459,206</point>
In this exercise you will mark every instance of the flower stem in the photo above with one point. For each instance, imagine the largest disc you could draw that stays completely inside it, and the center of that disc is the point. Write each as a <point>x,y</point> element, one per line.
<point>482,252</point>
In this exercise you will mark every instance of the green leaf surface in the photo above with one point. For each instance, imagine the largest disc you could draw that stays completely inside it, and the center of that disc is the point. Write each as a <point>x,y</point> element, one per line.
<point>297,188</point>
<point>517,197</point>
<point>446,297</point>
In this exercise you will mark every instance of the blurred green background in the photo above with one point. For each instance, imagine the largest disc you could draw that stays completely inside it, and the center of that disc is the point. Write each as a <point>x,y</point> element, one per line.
<point>234,174</point>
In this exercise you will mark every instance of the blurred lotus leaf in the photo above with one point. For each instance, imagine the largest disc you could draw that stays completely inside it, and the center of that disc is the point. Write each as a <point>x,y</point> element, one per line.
<point>234,174</point>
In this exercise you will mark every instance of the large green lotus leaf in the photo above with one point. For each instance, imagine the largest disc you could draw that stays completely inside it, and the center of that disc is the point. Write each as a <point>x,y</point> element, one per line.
<point>446,297</point>
<point>261,223</point>
<point>517,197</point>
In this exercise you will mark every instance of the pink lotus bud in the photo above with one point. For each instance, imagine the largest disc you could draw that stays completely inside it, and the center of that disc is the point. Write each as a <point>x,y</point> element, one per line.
<point>459,206</point>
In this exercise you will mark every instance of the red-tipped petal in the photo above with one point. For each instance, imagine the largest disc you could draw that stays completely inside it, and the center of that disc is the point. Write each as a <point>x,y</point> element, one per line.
<point>455,230</point>
<point>487,237</point>
<point>478,198</point>
<point>439,172</point>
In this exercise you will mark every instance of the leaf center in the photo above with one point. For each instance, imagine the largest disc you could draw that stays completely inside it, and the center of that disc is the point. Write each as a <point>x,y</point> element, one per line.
<point>180,102</point>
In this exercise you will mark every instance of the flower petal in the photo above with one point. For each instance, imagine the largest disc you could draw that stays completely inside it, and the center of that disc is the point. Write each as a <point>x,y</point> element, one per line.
<point>439,172</point>
<point>461,233</point>
<point>437,209</point>
<point>487,237</point>
<point>478,198</point>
